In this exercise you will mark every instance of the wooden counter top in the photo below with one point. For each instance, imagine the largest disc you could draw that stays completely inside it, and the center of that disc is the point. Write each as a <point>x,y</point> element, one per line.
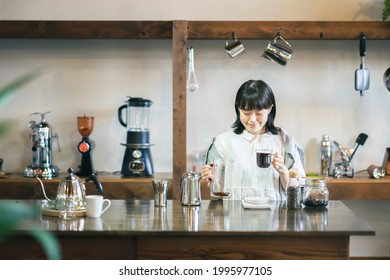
<point>135,229</point>
<point>15,186</point>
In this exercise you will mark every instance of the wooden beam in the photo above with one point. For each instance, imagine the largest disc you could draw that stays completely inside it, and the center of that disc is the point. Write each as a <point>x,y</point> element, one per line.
<point>179,60</point>
<point>86,29</point>
<point>289,29</point>
<point>332,30</point>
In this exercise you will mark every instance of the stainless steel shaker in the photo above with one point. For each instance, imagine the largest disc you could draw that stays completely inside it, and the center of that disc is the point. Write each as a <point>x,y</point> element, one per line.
<point>160,187</point>
<point>326,155</point>
<point>190,189</point>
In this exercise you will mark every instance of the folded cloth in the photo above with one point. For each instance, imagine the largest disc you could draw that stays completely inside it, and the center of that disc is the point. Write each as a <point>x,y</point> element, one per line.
<point>248,205</point>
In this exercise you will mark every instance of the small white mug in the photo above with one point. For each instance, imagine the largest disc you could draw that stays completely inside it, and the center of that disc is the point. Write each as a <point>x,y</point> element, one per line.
<point>95,205</point>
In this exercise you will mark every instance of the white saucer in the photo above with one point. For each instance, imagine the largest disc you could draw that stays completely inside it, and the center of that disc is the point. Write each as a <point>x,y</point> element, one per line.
<point>247,205</point>
<point>256,200</point>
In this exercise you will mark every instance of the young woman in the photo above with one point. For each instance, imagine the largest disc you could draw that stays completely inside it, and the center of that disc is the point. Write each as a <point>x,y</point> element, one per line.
<point>254,128</point>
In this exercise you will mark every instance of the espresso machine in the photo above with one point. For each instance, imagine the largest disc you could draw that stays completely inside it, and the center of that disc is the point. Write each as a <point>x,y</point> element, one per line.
<point>137,161</point>
<point>86,145</point>
<point>41,138</point>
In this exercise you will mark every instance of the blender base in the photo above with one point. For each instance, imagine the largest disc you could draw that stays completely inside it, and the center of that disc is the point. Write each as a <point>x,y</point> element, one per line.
<point>137,163</point>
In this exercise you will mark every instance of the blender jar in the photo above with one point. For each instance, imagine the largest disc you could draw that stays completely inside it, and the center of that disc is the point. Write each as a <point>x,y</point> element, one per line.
<point>137,113</point>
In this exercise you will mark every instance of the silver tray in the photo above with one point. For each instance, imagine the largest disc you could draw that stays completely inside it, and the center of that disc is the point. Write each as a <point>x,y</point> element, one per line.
<point>51,211</point>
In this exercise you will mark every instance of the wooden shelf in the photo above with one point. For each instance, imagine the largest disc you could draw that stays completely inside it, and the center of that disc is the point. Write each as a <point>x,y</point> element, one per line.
<point>85,29</point>
<point>15,186</point>
<point>180,32</point>
<point>359,188</point>
<point>313,30</point>
<point>310,30</point>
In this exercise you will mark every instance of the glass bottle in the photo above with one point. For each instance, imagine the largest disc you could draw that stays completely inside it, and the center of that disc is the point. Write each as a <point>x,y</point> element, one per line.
<point>293,191</point>
<point>316,193</point>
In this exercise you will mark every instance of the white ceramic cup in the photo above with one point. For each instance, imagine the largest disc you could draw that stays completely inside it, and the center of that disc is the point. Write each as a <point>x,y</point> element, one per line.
<point>95,205</point>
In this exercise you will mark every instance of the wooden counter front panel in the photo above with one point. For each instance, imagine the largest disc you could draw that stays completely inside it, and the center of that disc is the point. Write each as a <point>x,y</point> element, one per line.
<point>243,247</point>
<point>182,248</point>
<point>73,247</point>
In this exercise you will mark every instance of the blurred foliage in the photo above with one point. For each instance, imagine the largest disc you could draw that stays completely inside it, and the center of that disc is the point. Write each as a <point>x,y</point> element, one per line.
<point>8,89</point>
<point>386,9</point>
<point>13,213</point>
<point>5,126</point>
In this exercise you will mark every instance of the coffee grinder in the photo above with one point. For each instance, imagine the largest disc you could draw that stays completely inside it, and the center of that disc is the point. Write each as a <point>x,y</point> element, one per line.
<point>85,147</point>
<point>41,137</point>
<point>137,161</point>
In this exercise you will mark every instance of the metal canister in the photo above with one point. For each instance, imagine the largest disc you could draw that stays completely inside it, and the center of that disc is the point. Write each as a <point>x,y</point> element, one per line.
<point>326,155</point>
<point>376,171</point>
<point>190,189</point>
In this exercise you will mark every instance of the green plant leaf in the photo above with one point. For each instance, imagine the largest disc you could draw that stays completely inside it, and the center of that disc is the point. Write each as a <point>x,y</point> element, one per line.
<point>48,242</point>
<point>5,126</point>
<point>386,10</point>
<point>9,88</point>
<point>12,213</point>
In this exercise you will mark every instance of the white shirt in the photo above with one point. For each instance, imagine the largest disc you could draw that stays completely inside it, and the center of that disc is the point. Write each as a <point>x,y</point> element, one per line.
<point>247,179</point>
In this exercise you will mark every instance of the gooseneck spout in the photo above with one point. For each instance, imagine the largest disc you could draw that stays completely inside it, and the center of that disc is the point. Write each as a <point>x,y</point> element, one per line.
<point>43,188</point>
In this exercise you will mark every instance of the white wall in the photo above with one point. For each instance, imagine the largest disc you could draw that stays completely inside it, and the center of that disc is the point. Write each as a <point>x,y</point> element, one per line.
<point>315,91</point>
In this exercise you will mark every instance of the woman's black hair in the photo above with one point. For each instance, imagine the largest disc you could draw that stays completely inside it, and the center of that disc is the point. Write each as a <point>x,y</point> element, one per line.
<point>255,95</point>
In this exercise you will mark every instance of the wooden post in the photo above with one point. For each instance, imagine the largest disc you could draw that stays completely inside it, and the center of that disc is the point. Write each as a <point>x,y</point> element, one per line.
<point>179,60</point>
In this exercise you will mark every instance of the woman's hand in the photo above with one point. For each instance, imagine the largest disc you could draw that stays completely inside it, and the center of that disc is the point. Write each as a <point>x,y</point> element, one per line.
<point>278,164</point>
<point>207,173</point>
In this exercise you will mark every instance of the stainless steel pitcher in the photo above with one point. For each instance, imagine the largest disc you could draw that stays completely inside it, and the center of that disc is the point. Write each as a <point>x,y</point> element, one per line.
<point>190,189</point>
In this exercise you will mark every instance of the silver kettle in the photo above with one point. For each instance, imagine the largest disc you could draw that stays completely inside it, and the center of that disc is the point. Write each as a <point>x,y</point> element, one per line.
<point>190,189</point>
<point>72,189</point>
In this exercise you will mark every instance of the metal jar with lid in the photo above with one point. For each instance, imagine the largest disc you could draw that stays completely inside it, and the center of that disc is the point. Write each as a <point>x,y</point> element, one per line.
<point>316,193</point>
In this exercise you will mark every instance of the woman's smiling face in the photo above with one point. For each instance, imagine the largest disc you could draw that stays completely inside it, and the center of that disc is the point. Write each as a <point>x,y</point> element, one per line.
<point>254,121</point>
